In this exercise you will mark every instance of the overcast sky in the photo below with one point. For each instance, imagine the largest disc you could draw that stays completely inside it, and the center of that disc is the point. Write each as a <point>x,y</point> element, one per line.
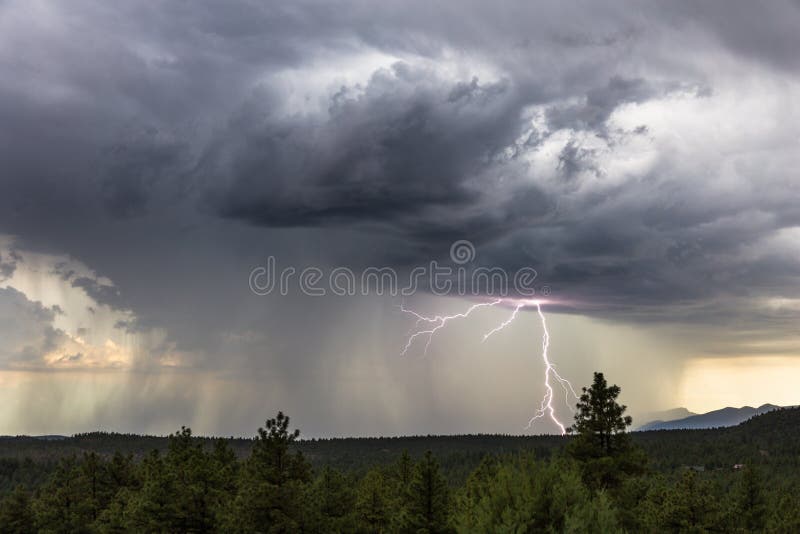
<point>642,158</point>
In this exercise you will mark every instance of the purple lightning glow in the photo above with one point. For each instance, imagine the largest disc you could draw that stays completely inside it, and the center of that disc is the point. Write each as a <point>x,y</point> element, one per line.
<point>437,322</point>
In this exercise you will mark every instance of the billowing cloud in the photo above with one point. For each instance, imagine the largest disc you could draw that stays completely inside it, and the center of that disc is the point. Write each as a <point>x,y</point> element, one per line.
<point>552,139</point>
<point>641,158</point>
<point>50,321</point>
<point>6,269</point>
<point>27,330</point>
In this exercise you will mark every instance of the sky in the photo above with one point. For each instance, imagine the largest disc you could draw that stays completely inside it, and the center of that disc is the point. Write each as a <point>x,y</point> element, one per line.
<point>640,158</point>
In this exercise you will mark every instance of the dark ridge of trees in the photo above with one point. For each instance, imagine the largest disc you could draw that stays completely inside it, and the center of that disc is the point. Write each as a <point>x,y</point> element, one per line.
<point>601,479</point>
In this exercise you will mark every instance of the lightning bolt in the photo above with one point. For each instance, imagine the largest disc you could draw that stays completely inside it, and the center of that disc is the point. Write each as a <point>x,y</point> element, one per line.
<point>437,323</point>
<point>426,327</point>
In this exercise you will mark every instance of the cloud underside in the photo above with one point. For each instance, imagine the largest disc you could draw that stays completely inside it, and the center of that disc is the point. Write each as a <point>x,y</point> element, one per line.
<point>641,160</point>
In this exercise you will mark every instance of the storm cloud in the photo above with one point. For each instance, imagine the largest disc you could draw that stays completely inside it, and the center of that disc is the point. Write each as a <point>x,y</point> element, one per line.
<point>642,158</point>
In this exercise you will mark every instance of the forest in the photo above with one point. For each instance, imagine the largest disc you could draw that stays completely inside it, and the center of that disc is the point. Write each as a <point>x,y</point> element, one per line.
<point>599,478</point>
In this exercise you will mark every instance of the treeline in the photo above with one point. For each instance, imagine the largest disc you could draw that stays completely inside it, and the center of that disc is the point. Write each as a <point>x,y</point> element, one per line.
<point>601,481</point>
<point>457,455</point>
<point>771,440</point>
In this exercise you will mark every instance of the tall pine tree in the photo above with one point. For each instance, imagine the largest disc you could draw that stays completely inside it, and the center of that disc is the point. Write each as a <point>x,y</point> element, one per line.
<point>273,483</point>
<point>602,446</point>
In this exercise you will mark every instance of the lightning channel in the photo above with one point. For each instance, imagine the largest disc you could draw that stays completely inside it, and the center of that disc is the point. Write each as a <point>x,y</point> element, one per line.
<point>426,328</point>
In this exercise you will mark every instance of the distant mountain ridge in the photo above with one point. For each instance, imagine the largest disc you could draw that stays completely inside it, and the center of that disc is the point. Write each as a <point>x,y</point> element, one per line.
<point>718,418</point>
<point>662,416</point>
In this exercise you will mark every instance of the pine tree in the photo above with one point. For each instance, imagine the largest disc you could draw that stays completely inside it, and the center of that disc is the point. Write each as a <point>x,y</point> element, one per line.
<point>122,471</point>
<point>100,489</point>
<point>226,470</point>
<point>689,506</point>
<point>333,502</point>
<point>749,502</point>
<point>16,515</point>
<point>593,516</point>
<point>181,492</point>
<point>195,483</point>
<point>427,500</point>
<point>478,488</point>
<point>600,423</point>
<point>403,471</point>
<point>153,507</point>
<point>525,496</point>
<point>63,504</point>
<point>372,503</point>
<point>601,445</point>
<point>272,486</point>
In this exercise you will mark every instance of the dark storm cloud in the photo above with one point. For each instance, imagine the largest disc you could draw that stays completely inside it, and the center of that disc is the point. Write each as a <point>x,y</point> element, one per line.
<point>130,131</point>
<point>62,270</point>
<point>138,169</point>
<point>101,293</point>
<point>765,35</point>
<point>593,112</point>
<point>7,268</point>
<point>574,159</point>
<point>407,145</point>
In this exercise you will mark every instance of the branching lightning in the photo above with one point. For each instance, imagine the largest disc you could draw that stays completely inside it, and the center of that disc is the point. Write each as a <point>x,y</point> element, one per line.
<point>426,327</point>
<point>438,322</point>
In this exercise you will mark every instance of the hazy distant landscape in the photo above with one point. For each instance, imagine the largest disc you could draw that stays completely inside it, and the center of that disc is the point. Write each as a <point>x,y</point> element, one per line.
<point>683,419</point>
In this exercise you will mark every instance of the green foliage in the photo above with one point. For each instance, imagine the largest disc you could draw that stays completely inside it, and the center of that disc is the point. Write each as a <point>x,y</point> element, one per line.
<point>374,505</point>
<point>749,504</point>
<point>599,422</point>
<point>477,490</point>
<point>185,490</point>
<point>602,446</point>
<point>522,495</point>
<point>62,504</point>
<point>595,516</point>
<point>629,500</point>
<point>271,492</point>
<point>332,502</point>
<point>784,515</point>
<point>16,514</point>
<point>403,471</point>
<point>427,500</point>
<point>688,506</point>
<point>595,482</point>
